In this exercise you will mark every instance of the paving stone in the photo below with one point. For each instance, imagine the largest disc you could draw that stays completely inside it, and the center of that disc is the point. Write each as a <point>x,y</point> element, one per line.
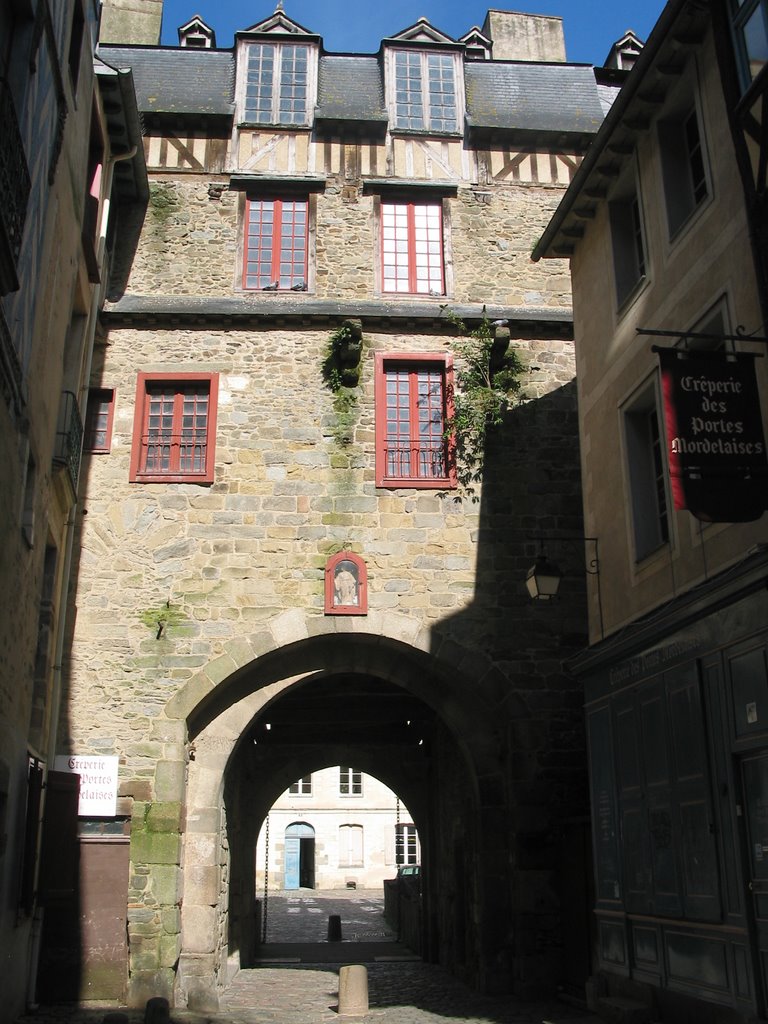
<point>399,992</point>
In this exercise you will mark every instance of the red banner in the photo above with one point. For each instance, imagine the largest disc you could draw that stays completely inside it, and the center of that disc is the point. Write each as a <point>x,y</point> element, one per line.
<point>715,443</point>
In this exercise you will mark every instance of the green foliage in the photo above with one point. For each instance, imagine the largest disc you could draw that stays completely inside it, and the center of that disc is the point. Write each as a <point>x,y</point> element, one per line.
<point>162,618</point>
<point>487,385</point>
<point>341,377</point>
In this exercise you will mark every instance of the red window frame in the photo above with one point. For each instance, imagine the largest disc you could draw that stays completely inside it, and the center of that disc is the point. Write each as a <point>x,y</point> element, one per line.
<point>275,248</point>
<point>99,416</point>
<point>412,247</point>
<point>160,455</point>
<point>405,410</point>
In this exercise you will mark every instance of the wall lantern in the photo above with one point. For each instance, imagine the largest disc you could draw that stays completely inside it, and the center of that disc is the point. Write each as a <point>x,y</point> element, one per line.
<point>543,579</point>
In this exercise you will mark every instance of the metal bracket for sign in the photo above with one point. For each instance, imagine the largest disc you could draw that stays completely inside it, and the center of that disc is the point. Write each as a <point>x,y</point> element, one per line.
<point>686,336</point>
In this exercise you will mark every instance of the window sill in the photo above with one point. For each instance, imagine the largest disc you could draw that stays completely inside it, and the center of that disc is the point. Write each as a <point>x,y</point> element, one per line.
<point>170,478</point>
<point>687,224</point>
<point>270,293</point>
<point>632,295</point>
<point>273,125</point>
<point>410,483</point>
<point>650,562</point>
<point>426,133</point>
<point>416,296</point>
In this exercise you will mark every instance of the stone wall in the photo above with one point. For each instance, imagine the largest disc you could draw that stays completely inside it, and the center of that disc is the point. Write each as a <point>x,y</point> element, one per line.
<point>192,244</point>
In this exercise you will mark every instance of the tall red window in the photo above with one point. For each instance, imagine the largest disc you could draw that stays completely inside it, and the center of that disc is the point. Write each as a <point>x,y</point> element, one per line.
<point>97,435</point>
<point>276,235</point>
<point>411,414</point>
<point>412,248</point>
<point>175,428</point>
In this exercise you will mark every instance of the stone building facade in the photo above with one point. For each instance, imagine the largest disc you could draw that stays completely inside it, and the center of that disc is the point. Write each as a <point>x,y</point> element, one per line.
<point>298,237</point>
<point>671,199</point>
<point>70,147</point>
<point>336,828</point>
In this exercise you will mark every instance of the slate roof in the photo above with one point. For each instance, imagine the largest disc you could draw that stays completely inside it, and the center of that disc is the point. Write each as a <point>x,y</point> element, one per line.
<point>350,89</point>
<point>501,95</point>
<point>178,80</point>
<point>560,98</point>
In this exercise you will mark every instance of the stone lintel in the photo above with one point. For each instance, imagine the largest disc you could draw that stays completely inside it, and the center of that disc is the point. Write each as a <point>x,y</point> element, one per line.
<point>140,311</point>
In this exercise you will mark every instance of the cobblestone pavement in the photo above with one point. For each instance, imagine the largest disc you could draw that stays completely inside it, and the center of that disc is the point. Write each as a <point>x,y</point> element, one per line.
<point>402,992</point>
<point>302,916</point>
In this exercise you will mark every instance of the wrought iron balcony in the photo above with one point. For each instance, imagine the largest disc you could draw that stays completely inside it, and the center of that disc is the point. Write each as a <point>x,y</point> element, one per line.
<point>14,187</point>
<point>69,437</point>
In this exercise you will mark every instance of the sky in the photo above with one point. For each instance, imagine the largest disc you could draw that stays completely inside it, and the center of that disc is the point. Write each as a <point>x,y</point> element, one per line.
<point>591,26</point>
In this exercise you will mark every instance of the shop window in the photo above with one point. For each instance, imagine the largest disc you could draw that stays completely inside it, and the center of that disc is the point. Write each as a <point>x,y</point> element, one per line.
<point>411,395</point>
<point>277,86</point>
<point>276,244</point>
<point>174,428</point>
<point>412,249</point>
<point>350,782</point>
<point>647,471</point>
<point>99,415</point>
<point>425,95</point>
<point>683,167</point>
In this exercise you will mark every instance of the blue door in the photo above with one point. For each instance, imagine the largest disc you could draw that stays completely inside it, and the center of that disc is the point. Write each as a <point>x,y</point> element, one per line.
<point>299,850</point>
<point>292,847</point>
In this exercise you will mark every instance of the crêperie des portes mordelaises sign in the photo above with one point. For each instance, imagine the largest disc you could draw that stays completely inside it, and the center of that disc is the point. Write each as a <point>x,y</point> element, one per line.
<point>715,441</point>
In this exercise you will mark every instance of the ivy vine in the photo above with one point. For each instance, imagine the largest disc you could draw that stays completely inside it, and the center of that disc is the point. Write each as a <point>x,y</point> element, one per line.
<point>341,373</point>
<point>487,384</point>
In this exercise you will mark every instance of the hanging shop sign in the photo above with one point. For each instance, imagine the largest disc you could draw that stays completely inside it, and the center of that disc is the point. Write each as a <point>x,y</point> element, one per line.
<point>98,783</point>
<point>715,443</point>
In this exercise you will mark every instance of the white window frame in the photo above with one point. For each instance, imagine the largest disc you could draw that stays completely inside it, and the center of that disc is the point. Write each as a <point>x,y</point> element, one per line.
<point>392,90</point>
<point>409,854</point>
<point>280,47</point>
<point>350,777</point>
<point>301,787</point>
<point>351,845</point>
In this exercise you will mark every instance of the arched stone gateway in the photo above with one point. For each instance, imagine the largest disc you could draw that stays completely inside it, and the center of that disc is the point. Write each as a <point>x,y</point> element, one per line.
<point>192,855</point>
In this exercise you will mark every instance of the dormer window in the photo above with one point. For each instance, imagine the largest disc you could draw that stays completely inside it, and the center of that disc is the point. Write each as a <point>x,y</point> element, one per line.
<point>277,72</point>
<point>276,83</point>
<point>196,35</point>
<point>425,84</point>
<point>425,91</point>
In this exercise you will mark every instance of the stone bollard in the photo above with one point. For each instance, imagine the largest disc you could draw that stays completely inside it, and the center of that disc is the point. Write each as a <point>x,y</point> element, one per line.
<point>353,990</point>
<point>334,928</point>
<point>157,1011</point>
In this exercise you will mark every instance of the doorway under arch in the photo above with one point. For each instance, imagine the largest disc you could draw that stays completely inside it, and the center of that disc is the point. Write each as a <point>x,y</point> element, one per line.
<point>440,725</point>
<point>299,866</point>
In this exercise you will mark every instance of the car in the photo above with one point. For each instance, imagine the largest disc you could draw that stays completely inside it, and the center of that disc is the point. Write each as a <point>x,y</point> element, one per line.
<point>406,870</point>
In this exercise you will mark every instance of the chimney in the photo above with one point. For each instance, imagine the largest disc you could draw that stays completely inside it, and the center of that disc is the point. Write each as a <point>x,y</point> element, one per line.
<point>130,22</point>
<point>532,37</point>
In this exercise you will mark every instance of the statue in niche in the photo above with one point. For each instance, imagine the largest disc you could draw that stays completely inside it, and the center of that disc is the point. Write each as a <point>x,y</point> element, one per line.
<point>346,584</point>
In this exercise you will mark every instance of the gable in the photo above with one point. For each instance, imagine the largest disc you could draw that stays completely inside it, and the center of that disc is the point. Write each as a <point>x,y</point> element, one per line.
<point>421,32</point>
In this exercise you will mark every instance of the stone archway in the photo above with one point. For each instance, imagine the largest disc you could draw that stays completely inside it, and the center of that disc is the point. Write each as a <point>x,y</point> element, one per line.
<point>205,721</point>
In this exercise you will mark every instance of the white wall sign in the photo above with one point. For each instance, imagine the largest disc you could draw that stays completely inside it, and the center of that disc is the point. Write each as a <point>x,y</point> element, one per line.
<point>98,783</point>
